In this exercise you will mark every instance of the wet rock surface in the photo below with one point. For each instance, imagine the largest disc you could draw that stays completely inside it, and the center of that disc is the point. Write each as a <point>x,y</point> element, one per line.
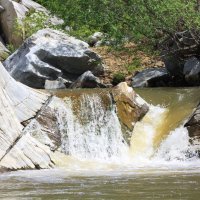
<point>130,107</point>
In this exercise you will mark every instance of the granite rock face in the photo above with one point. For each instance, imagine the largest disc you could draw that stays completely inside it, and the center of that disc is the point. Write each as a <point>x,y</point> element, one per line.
<point>50,54</point>
<point>151,77</point>
<point>87,80</point>
<point>13,11</point>
<point>18,104</point>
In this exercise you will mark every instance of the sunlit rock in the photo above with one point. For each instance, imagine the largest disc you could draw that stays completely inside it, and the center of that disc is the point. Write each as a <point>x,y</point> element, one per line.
<point>12,13</point>
<point>130,107</point>
<point>50,54</point>
<point>18,103</point>
<point>151,77</point>
<point>87,80</point>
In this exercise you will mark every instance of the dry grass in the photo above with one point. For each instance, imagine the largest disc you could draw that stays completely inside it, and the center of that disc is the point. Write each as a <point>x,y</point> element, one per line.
<point>127,60</point>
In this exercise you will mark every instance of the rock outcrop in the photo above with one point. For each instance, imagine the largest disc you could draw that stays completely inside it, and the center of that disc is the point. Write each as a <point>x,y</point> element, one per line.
<point>181,57</point>
<point>18,104</point>
<point>131,108</point>
<point>59,83</point>
<point>13,12</point>
<point>50,54</point>
<point>33,124</point>
<point>151,77</point>
<point>193,125</point>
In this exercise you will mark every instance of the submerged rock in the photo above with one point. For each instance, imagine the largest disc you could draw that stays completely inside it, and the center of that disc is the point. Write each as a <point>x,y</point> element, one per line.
<point>50,54</point>
<point>87,80</point>
<point>151,77</point>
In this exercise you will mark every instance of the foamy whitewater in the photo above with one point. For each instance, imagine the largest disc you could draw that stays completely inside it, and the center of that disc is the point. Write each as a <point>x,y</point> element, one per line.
<point>92,137</point>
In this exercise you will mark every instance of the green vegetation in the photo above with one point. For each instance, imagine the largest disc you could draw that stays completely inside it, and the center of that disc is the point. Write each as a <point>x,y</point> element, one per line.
<point>11,48</point>
<point>118,78</point>
<point>134,65</point>
<point>33,22</point>
<point>124,20</point>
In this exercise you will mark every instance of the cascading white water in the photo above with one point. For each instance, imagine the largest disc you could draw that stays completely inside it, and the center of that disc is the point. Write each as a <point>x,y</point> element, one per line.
<point>176,147</point>
<point>145,131</point>
<point>93,132</point>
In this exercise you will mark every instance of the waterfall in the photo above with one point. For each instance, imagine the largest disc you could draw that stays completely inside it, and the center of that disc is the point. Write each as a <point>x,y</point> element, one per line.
<point>146,132</point>
<point>91,131</point>
<point>90,128</point>
<point>176,147</point>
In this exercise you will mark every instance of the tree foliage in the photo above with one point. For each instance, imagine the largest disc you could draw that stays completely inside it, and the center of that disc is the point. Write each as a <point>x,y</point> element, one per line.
<point>121,20</point>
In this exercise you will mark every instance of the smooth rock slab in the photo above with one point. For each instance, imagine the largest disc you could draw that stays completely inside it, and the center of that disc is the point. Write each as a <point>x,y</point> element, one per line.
<point>50,54</point>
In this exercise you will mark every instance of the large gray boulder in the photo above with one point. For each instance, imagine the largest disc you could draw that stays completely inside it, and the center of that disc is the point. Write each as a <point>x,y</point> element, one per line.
<point>50,54</point>
<point>191,71</point>
<point>13,12</point>
<point>151,77</point>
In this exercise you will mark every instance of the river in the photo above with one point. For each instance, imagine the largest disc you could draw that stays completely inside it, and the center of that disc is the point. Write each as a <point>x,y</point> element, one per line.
<point>160,163</point>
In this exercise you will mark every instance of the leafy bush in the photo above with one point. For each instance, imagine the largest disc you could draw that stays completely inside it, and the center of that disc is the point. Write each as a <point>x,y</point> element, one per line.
<point>34,21</point>
<point>11,48</point>
<point>134,65</point>
<point>122,20</point>
<point>118,78</point>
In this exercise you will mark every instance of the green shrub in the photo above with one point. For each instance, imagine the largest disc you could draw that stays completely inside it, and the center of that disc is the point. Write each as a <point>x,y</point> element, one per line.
<point>122,20</point>
<point>134,65</point>
<point>11,48</point>
<point>34,21</point>
<point>118,78</point>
